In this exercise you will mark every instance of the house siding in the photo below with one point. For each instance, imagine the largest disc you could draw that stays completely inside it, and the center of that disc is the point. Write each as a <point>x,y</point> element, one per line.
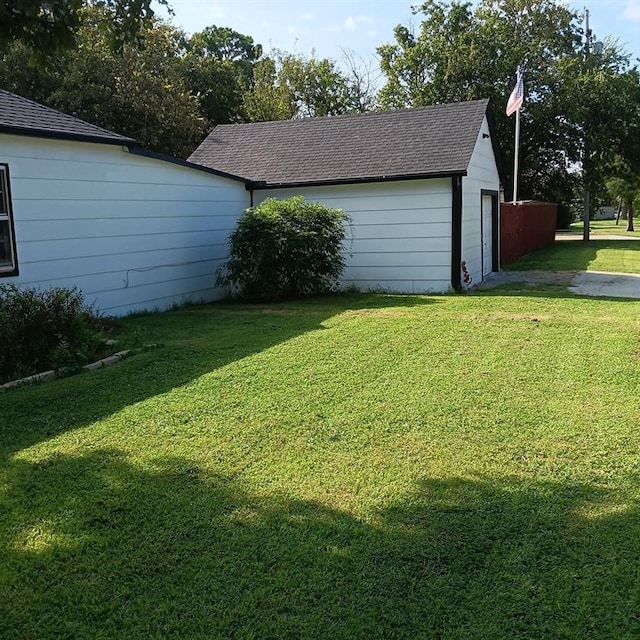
<point>131,232</point>
<point>399,238</point>
<point>482,173</point>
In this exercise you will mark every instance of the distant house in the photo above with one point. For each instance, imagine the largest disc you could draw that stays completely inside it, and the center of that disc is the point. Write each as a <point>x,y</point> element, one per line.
<point>82,206</point>
<point>421,186</point>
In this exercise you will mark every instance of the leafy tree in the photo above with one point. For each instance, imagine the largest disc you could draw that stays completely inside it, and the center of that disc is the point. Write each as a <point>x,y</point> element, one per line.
<point>136,92</point>
<point>218,67</point>
<point>268,99</point>
<point>288,85</point>
<point>52,25</point>
<point>464,51</point>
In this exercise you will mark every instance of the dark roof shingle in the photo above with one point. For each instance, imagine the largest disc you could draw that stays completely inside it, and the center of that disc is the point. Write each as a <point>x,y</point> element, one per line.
<point>22,116</point>
<point>420,142</point>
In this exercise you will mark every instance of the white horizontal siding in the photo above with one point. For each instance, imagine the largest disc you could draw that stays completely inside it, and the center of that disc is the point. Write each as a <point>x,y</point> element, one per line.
<point>399,238</point>
<point>131,232</point>
<point>482,173</point>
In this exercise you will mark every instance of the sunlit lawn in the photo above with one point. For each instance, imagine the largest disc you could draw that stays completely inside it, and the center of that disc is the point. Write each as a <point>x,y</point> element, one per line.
<point>608,227</point>
<point>621,256</point>
<point>370,466</point>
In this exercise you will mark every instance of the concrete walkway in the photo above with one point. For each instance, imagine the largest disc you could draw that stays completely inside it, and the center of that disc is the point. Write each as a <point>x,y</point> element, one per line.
<point>599,283</point>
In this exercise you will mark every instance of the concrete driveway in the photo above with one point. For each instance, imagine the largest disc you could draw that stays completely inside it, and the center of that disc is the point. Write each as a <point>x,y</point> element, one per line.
<point>586,283</point>
<point>599,283</point>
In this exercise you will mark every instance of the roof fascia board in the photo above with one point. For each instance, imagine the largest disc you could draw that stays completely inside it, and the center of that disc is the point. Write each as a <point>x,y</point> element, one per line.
<point>260,185</point>
<point>139,151</point>
<point>497,152</point>
<point>74,137</point>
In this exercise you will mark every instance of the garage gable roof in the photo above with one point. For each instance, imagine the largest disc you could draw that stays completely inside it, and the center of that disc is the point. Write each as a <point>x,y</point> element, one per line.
<point>423,142</point>
<point>24,117</point>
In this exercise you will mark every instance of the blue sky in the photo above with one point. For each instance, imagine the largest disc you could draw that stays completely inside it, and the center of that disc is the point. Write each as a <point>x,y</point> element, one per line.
<point>329,26</point>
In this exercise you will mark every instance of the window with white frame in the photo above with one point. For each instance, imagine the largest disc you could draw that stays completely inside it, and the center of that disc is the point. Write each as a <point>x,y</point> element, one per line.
<point>8,258</point>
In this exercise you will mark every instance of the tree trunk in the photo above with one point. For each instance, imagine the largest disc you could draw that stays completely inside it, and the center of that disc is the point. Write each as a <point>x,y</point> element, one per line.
<point>618,211</point>
<point>630,216</point>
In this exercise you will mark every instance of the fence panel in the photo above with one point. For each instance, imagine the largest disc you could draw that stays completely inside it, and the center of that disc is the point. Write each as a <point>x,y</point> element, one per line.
<point>525,227</point>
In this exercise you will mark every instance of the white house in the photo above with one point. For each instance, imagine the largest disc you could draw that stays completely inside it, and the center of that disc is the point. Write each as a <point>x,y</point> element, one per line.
<point>421,186</point>
<point>85,207</point>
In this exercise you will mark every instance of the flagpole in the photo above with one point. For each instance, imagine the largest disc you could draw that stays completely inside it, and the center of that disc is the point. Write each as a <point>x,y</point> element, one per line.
<point>515,159</point>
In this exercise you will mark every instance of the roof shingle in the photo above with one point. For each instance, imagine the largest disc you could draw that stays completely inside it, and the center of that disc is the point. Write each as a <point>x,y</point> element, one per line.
<point>420,142</point>
<point>22,116</point>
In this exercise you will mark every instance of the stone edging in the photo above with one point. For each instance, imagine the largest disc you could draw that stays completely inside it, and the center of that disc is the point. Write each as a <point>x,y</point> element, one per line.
<point>93,366</point>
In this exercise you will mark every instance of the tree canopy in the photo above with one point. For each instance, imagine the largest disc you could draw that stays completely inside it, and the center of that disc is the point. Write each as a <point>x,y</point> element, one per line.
<point>463,51</point>
<point>52,25</point>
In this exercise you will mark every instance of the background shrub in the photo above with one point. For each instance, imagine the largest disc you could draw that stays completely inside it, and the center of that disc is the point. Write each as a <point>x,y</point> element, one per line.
<point>45,329</point>
<point>565,216</point>
<point>285,249</point>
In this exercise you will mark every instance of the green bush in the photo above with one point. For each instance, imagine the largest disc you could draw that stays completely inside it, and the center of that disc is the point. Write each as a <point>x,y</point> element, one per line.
<point>565,216</point>
<point>45,329</point>
<point>285,249</point>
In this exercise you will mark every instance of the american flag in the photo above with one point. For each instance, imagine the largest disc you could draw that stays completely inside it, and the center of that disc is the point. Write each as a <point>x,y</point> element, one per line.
<point>517,95</point>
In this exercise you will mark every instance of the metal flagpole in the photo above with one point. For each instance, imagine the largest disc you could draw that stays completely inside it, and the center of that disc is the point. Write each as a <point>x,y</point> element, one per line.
<point>514,104</point>
<point>515,159</point>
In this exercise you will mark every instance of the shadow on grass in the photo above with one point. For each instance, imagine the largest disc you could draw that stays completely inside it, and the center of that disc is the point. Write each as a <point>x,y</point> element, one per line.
<point>94,547</point>
<point>574,255</point>
<point>194,341</point>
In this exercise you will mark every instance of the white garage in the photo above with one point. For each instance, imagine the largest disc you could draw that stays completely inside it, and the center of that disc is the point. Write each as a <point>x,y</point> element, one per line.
<point>421,186</point>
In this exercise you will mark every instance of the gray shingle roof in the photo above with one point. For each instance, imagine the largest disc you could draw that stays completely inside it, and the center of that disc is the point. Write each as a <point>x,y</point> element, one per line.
<point>22,116</point>
<point>420,142</point>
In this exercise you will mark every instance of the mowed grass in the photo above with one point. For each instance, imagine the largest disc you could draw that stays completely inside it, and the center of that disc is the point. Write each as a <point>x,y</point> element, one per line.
<point>608,227</point>
<point>617,256</point>
<point>354,467</point>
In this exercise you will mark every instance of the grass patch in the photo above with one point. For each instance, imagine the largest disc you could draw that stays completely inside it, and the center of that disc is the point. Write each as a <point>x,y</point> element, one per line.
<point>352,467</point>
<point>607,227</point>
<point>621,256</point>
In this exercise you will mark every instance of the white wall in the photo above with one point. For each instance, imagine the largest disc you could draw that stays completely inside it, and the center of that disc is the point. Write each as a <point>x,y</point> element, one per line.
<point>481,174</point>
<point>400,237</point>
<point>131,232</point>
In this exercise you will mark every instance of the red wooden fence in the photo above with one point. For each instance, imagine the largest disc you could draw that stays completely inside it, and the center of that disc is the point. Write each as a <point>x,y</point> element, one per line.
<point>525,227</point>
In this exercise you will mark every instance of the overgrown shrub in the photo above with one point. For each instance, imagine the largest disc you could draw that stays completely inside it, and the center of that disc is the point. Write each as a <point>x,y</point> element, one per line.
<point>45,329</point>
<point>285,249</point>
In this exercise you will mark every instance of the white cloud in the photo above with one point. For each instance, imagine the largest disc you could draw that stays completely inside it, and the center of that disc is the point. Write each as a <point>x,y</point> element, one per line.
<point>352,23</point>
<point>307,16</point>
<point>216,12</point>
<point>632,10</point>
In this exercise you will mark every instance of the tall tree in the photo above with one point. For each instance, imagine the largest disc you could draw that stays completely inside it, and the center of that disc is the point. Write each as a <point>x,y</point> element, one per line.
<point>464,51</point>
<point>218,69</point>
<point>289,85</point>
<point>136,92</point>
<point>45,26</point>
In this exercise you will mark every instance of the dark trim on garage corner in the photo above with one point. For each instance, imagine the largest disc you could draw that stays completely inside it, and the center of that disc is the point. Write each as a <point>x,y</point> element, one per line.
<point>456,231</point>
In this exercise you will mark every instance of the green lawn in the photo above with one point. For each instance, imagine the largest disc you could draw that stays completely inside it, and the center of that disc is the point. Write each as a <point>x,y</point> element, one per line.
<point>608,227</point>
<point>372,466</point>
<point>622,256</point>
